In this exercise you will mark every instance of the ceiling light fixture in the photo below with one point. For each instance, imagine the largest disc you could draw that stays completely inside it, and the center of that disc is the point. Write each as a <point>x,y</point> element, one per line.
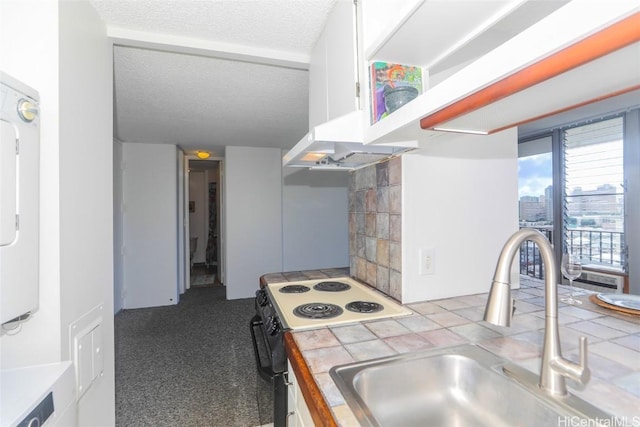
<point>203,154</point>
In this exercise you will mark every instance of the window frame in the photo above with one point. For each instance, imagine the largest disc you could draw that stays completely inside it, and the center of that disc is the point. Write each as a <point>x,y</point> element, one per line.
<point>631,153</point>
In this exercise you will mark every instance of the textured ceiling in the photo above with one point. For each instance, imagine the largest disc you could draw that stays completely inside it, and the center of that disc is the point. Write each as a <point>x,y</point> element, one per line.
<point>292,25</point>
<point>200,101</point>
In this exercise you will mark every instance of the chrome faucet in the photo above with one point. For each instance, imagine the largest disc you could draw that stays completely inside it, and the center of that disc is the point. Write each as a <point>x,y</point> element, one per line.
<point>554,368</point>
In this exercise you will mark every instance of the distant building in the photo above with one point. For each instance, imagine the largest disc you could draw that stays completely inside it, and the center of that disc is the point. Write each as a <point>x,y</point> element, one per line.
<point>548,199</point>
<point>602,200</point>
<point>532,208</point>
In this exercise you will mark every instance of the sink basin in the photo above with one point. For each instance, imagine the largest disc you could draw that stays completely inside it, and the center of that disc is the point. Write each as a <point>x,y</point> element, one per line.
<point>456,386</point>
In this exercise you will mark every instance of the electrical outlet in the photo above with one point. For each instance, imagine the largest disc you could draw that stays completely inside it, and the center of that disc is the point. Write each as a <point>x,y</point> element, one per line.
<point>427,261</point>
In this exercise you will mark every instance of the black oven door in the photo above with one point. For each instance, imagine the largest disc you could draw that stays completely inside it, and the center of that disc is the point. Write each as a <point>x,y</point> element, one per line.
<point>261,348</point>
<point>276,402</point>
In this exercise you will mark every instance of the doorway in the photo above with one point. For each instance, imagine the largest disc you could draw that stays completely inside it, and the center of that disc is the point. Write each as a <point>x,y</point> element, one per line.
<point>204,199</point>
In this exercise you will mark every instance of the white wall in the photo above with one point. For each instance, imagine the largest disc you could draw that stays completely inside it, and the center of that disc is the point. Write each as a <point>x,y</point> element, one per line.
<point>86,205</point>
<point>253,217</point>
<point>315,219</point>
<point>460,197</point>
<point>118,237</point>
<point>66,57</point>
<point>150,219</point>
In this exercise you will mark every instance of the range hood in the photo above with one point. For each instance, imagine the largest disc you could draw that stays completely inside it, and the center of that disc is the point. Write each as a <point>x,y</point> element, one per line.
<point>338,145</point>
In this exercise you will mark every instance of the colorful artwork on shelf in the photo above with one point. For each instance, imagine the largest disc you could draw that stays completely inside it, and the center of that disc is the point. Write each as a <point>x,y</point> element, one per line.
<point>395,83</point>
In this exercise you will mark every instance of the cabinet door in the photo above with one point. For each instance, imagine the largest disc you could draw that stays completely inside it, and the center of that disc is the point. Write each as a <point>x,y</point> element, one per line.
<point>333,72</point>
<point>341,61</point>
<point>299,415</point>
<point>292,417</point>
<point>318,108</point>
<point>8,184</point>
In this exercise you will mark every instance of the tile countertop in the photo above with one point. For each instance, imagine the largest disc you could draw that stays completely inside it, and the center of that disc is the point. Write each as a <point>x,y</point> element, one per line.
<point>613,339</point>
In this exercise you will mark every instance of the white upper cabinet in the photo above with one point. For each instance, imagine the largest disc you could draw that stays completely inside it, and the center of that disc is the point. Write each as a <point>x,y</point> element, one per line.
<point>439,35</point>
<point>468,48</point>
<point>333,73</point>
<point>380,18</point>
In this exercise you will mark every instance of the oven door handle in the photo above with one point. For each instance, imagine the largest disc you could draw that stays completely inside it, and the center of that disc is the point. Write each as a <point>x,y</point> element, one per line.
<point>265,372</point>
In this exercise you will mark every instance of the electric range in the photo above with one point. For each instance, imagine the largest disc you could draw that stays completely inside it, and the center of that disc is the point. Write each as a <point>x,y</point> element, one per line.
<point>327,302</point>
<point>305,305</point>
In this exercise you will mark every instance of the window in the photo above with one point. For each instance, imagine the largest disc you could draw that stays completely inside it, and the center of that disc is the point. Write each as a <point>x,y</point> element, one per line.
<point>593,193</point>
<point>535,199</point>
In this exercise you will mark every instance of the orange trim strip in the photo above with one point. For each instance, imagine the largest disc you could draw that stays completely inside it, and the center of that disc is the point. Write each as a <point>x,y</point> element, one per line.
<point>610,39</point>
<point>320,412</point>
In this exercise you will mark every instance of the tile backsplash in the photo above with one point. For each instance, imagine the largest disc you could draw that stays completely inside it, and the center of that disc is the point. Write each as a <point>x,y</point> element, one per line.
<point>375,226</point>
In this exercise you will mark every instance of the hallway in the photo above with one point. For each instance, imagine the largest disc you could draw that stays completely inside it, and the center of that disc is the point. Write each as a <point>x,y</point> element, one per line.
<point>191,364</point>
<point>203,275</point>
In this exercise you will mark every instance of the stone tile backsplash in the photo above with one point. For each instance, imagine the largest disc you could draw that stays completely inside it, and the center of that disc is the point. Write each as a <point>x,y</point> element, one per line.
<point>375,226</point>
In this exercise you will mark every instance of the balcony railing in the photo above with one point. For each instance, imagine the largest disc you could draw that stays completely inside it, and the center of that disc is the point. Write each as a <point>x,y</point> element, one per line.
<point>530,260</point>
<point>595,247</point>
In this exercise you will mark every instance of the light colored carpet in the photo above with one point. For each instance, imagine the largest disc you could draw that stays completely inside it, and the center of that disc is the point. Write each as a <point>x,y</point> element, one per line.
<point>202,280</point>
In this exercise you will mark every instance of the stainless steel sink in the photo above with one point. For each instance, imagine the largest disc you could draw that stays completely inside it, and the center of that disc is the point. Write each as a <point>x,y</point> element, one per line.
<point>456,386</point>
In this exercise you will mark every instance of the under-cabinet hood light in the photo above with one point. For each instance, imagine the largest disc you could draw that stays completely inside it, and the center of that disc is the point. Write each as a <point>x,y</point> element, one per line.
<point>332,167</point>
<point>313,157</point>
<point>471,131</point>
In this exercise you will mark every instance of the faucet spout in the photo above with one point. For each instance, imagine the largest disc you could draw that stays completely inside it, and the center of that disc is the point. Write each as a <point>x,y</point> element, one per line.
<point>499,310</point>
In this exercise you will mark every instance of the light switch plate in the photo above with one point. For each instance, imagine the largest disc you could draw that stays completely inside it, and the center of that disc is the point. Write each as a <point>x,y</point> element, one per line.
<point>96,351</point>
<point>84,362</point>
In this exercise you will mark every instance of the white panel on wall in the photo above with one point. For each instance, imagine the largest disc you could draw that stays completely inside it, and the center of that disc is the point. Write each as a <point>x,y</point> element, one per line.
<point>253,217</point>
<point>150,217</point>
<point>460,199</point>
<point>315,219</point>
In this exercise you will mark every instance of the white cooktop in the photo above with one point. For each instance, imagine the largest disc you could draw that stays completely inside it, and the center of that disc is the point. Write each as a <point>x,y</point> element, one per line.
<point>287,302</point>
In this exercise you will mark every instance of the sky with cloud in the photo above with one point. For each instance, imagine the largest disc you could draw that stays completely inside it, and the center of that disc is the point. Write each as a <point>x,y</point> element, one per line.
<point>534,174</point>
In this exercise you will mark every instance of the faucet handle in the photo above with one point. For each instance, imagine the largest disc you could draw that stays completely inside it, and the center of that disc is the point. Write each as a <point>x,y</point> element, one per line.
<point>578,372</point>
<point>585,374</point>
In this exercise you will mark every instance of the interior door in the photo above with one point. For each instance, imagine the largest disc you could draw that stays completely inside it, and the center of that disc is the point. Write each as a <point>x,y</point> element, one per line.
<point>186,259</point>
<point>181,224</point>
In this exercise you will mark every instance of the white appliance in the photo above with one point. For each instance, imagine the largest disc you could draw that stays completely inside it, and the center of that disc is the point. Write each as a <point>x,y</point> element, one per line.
<point>19,199</point>
<point>41,395</point>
